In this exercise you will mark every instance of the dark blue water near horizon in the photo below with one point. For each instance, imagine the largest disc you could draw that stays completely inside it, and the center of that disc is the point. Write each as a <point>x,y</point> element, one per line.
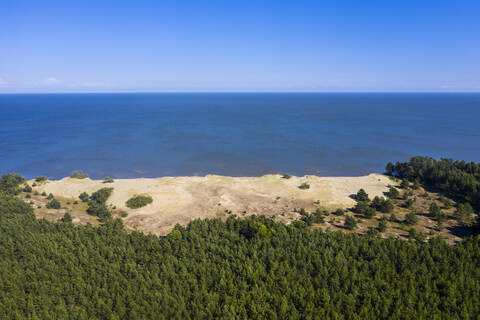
<point>237,134</point>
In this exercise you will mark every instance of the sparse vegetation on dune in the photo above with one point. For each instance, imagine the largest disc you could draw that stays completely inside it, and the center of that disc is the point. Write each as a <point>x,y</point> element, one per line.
<point>77,174</point>
<point>41,179</point>
<point>53,204</point>
<point>97,204</point>
<point>108,180</point>
<point>139,201</point>
<point>304,186</point>
<point>84,197</point>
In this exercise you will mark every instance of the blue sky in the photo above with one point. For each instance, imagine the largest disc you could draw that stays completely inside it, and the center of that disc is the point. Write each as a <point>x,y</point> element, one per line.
<point>171,46</point>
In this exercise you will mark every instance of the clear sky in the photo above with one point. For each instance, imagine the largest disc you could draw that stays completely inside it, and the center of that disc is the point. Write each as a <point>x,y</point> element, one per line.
<point>125,46</point>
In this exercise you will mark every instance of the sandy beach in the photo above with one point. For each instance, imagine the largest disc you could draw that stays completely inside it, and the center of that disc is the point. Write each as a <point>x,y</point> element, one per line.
<point>181,199</point>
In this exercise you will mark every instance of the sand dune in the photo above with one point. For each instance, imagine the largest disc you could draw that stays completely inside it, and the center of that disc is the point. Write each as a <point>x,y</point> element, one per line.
<point>180,199</point>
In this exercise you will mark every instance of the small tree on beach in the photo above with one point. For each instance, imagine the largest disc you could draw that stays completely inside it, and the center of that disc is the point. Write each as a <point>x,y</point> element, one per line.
<point>370,213</point>
<point>393,193</point>
<point>411,218</point>
<point>84,197</point>
<point>53,204</point>
<point>67,217</point>
<point>390,168</point>
<point>382,224</point>
<point>362,196</point>
<point>361,207</point>
<point>387,206</point>
<point>434,209</point>
<point>465,213</point>
<point>350,222</point>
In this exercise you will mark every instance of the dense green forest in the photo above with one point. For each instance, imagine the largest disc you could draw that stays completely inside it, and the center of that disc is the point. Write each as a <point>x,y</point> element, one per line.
<point>238,269</point>
<point>457,178</point>
<point>253,268</point>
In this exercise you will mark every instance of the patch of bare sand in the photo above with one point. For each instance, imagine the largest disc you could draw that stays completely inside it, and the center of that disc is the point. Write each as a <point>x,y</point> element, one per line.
<point>181,199</point>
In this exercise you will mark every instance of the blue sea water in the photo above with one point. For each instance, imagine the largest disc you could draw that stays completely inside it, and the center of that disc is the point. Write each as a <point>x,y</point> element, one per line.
<point>245,134</point>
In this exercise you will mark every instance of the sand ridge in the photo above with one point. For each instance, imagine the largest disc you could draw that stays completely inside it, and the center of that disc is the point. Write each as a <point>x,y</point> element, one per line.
<point>180,199</point>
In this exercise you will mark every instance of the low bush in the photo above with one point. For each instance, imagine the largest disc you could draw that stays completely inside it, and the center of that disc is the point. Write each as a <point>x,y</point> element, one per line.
<point>100,210</point>
<point>67,217</point>
<point>53,204</point>
<point>370,213</point>
<point>97,204</point>
<point>382,224</point>
<point>139,201</point>
<point>108,180</point>
<point>393,193</point>
<point>350,222</point>
<point>101,195</point>
<point>78,175</point>
<point>411,218</point>
<point>304,186</point>
<point>41,179</point>
<point>84,197</point>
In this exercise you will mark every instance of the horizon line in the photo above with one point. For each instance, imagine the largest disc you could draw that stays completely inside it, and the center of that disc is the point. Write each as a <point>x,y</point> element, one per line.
<point>235,92</point>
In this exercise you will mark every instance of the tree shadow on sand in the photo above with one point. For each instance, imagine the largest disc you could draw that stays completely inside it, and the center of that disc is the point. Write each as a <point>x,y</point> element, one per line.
<point>461,231</point>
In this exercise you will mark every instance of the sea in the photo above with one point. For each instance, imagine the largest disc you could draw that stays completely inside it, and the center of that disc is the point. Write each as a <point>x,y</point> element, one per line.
<point>133,135</point>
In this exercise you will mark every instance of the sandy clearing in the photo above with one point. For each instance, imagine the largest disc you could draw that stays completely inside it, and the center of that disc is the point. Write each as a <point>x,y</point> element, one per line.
<point>180,199</point>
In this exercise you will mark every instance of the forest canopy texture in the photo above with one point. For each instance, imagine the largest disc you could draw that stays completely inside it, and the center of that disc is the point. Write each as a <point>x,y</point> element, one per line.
<point>456,178</point>
<point>242,268</point>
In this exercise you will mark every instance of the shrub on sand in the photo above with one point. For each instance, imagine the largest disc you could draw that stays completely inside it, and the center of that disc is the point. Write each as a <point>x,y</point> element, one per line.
<point>139,201</point>
<point>78,175</point>
<point>304,186</point>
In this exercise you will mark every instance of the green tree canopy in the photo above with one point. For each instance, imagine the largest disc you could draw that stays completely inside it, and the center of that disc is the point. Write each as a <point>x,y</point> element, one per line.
<point>362,196</point>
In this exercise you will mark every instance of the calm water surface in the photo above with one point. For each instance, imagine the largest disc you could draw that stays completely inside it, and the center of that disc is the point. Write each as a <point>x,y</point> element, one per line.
<point>150,135</point>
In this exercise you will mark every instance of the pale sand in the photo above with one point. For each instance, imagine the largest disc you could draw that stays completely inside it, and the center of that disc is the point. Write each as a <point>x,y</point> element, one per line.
<point>180,199</point>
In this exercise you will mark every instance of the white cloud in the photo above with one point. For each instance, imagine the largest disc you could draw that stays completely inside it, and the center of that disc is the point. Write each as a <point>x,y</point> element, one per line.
<point>50,81</point>
<point>91,84</point>
<point>2,82</point>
